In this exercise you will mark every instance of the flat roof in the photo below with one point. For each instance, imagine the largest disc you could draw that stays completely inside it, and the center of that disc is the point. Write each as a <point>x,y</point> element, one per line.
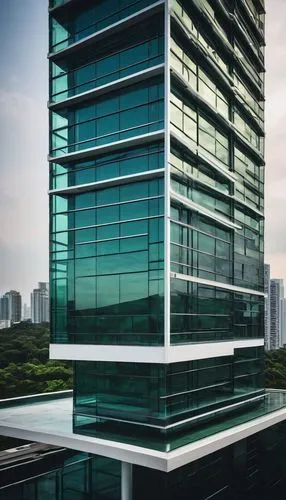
<point>48,419</point>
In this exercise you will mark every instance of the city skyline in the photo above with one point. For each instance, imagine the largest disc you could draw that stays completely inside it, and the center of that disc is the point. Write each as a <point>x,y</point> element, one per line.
<point>25,212</point>
<point>36,308</point>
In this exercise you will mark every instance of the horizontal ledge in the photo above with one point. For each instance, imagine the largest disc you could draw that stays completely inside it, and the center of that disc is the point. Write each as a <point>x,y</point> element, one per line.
<point>246,205</point>
<point>217,284</point>
<point>223,9</point>
<point>112,353</point>
<point>110,147</point>
<point>193,352</point>
<point>259,32</point>
<point>224,122</point>
<point>198,153</point>
<point>146,354</point>
<point>62,5</point>
<point>224,77</point>
<point>223,42</point>
<point>231,176</point>
<point>246,109</point>
<point>108,87</point>
<point>246,75</point>
<point>204,211</point>
<point>34,398</point>
<point>109,30</point>
<point>203,447</point>
<point>215,412</point>
<point>196,418</point>
<point>259,59</point>
<point>197,97</point>
<point>210,110</point>
<point>251,149</point>
<point>92,186</point>
<point>209,58</point>
<point>236,200</point>
<point>57,7</point>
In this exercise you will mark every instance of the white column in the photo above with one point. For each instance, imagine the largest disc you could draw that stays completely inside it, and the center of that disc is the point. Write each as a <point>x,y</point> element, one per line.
<point>167,283</point>
<point>126,481</point>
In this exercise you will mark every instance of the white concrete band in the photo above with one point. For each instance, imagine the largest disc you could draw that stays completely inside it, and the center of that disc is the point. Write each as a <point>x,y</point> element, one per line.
<point>225,286</point>
<point>146,354</point>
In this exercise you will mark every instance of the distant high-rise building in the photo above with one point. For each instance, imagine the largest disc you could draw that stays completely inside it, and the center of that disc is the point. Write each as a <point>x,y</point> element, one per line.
<point>26,312</point>
<point>276,297</point>
<point>283,321</point>
<point>40,303</point>
<point>15,306</point>
<point>11,306</point>
<point>4,307</point>
<point>43,286</point>
<point>267,306</point>
<point>281,325</point>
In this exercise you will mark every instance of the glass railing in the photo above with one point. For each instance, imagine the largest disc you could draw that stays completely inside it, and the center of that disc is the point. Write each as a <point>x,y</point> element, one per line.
<point>254,405</point>
<point>107,69</point>
<point>218,421</point>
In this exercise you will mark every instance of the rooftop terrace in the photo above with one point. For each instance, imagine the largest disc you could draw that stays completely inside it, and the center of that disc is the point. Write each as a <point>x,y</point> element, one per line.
<point>47,418</point>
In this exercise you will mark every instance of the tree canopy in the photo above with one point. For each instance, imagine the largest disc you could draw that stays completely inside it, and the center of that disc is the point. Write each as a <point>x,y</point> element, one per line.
<point>275,369</point>
<point>24,362</point>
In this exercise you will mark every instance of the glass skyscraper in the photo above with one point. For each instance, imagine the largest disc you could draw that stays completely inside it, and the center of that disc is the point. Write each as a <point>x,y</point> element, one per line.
<point>157,254</point>
<point>156,188</point>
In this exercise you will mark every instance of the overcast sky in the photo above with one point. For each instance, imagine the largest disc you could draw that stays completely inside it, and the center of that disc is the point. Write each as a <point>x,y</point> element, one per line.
<point>275,187</point>
<point>24,142</point>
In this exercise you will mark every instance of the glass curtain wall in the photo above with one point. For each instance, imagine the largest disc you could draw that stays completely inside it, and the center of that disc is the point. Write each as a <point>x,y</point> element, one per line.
<point>161,395</point>
<point>217,177</point>
<point>75,24</point>
<point>107,243</point>
<point>108,215</point>
<point>107,267</point>
<point>141,48</point>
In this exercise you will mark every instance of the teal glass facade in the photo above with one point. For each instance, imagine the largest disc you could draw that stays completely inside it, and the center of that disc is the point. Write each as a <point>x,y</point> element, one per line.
<point>120,115</point>
<point>110,284</point>
<point>72,475</point>
<point>141,48</point>
<point>107,244</point>
<point>156,205</point>
<point>162,395</point>
<point>131,161</point>
<point>78,23</point>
